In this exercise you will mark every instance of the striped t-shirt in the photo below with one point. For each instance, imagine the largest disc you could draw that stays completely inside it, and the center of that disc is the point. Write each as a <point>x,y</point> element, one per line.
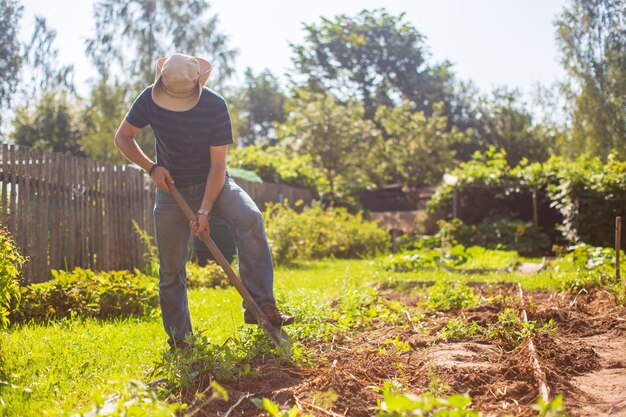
<point>183,139</point>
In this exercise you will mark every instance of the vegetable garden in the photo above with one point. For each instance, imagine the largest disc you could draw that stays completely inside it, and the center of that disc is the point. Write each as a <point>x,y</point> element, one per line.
<point>438,329</point>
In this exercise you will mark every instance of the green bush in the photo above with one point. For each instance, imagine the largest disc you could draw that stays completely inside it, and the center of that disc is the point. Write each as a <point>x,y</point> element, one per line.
<point>274,165</point>
<point>210,275</point>
<point>318,233</point>
<point>579,199</point>
<point>11,263</point>
<point>457,256</point>
<point>584,267</point>
<point>503,234</point>
<point>83,293</point>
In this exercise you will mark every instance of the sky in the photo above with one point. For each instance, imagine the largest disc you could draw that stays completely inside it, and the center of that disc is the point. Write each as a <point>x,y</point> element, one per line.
<point>494,43</point>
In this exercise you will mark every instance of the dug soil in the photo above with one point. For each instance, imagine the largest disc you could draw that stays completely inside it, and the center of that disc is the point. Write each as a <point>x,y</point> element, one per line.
<point>585,361</point>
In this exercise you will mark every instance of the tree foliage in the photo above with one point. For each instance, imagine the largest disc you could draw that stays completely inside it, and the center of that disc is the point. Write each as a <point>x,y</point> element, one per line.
<point>10,51</point>
<point>101,115</point>
<point>42,72</point>
<point>375,58</point>
<point>418,149</point>
<point>259,104</point>
<point>592,38</point>
<point>53,125</point>
<point>334,135</point>
<point>131,35</point>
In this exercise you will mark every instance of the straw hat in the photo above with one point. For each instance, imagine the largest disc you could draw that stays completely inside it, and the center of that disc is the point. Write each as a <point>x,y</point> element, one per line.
<point>179,80</point>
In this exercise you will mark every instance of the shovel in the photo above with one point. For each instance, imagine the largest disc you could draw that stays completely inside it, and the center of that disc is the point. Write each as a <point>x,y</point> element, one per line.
<point>276,334</point>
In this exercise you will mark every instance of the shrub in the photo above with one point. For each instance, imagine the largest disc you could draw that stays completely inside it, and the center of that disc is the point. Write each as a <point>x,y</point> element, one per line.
<point>457,256</point>
<point>578,199</point>
<point>11,263</point>
<point>274,165</point>
<point>584,267</point>
<point>497,233</point>
<point>210,275</point>
<point>317,233</point>
<point>84,293</point>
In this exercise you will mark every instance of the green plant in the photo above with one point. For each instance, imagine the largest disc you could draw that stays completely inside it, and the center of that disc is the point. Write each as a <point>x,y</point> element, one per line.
<point>511,329</point>
<point>457,329</point>
<point>209,275</point>
<point>554,408</point>
<point>274,410</point>
<point>584,267</point>
<point>84,293</point>
<point>317,233</point>
<point>11,263</point>
<point>397,403</point>
<point>446,296</point>
<point>151,256</point>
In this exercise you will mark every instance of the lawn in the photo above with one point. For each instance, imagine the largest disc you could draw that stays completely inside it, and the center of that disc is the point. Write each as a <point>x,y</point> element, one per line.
<point>55,369</point>
<point>66,366</point>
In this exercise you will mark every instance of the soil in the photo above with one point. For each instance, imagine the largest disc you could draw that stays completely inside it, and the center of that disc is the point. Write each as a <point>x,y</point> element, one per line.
<point>585,362</point>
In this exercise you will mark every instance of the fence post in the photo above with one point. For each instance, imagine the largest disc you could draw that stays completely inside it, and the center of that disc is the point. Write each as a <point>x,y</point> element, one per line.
<point>618,244</point>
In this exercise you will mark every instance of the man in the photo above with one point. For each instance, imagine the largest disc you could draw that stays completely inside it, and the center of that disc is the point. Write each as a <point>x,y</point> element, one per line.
<point>192,130</point>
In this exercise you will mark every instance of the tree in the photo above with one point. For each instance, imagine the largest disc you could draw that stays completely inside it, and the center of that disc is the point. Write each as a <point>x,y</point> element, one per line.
<point>42,70</point>
<point>373,57</point>
<point>592,38</point>
<point>10,54</point>
<point>106,107</point>
<point>504,122</point>
<point>54,125</point>
<point>259,105</point>
<point>132,34</point>
<point>334,135</point>
<point>419,148</point>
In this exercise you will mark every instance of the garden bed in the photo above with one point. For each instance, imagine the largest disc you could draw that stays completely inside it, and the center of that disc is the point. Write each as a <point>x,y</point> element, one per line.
<point>583,360</point>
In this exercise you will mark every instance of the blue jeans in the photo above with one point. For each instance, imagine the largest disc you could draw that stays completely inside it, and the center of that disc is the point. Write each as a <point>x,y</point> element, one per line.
<point>235,208</point>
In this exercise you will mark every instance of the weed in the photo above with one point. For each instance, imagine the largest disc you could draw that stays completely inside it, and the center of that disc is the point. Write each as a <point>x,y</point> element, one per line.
<point>397,403</point>
<point>443,296</point>
<point>396,347</point>
<point>513,330</point>
<point>151,256</point>
<point>457,329</point>
<point>273,409</point>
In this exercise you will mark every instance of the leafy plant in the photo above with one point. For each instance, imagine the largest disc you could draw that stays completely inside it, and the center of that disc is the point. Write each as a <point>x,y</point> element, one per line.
<point>151,256</point>
<point>444,296</point>
<point>11,263</point>
<point>317,233</point>
<point>274,410</point>
<point>83,293</point>
<point>584,267</point>
<point>513,330</point>
<point>397,403</point>
<point>209,275</point>
<point>457,329</point>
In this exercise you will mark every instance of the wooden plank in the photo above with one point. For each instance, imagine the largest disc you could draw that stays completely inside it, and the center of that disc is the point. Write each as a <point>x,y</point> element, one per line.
<point>4,190</point>
<point>25,209</point>
<point>45,199</point>
<point>21,207</point>
<point>107,235</point>
<point>12,218</point>
<point>89,226</point>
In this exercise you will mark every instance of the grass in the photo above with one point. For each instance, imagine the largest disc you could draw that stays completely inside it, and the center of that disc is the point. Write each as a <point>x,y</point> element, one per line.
<point>58,368</point>
<point>55,369</point>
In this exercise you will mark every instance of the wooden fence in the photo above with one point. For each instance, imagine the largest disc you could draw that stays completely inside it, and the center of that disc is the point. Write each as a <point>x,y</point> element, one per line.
<point>67,212</point>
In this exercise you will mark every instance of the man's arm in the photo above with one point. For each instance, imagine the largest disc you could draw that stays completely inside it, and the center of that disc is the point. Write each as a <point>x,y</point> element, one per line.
<point>214,184</point>
<point>125,142</point>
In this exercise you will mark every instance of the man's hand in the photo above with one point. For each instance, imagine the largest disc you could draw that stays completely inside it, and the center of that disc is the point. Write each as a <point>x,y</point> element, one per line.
<point>202,225</point>
<point>161,178</point>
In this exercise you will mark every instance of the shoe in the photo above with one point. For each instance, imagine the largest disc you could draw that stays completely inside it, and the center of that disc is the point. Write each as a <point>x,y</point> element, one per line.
<point>273,315</point>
